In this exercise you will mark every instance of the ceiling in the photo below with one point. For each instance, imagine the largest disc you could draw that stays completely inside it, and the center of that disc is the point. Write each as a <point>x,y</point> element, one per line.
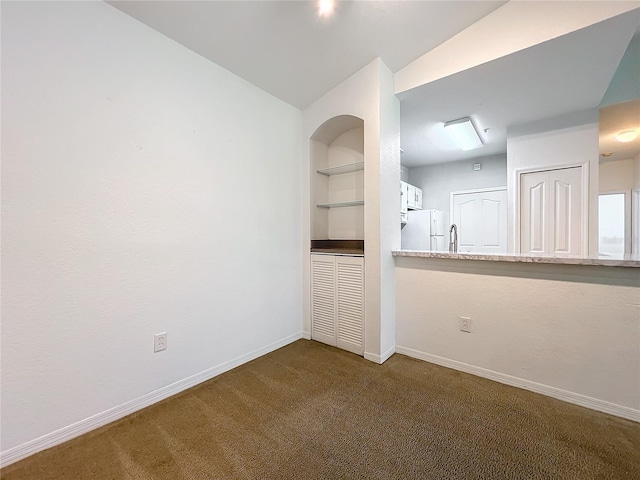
<point>286,49</point>
<point>613,120</point>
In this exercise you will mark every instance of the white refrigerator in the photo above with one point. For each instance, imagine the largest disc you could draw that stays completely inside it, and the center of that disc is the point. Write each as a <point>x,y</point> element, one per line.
<point>424,231</point>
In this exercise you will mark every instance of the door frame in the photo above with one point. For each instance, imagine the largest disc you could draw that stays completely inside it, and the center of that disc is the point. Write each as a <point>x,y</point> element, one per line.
<point>584,221</point>
<point>635,221</point>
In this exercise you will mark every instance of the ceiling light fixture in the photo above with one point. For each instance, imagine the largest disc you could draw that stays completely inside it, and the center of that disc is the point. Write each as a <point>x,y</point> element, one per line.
<point>463,133</point>
<point>627,136</point>
<point>325,7</point>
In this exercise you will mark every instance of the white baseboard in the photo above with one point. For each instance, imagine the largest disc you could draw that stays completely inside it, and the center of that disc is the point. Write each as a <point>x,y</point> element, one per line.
<point>380,359</point>
<point>306,335</point>
<point>57,437</point>
<point>570,397</point>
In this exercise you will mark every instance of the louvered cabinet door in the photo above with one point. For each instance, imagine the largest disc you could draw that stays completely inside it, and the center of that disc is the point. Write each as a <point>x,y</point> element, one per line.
<point>350,303</point>
<point>323,299</point>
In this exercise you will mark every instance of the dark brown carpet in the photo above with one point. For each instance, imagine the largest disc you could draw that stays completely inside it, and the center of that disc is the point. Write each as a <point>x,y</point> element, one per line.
<point>310,411</point>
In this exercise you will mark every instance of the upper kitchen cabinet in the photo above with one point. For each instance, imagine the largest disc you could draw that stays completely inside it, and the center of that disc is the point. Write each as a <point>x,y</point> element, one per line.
<point>337,180</point>
<point>414,197</point>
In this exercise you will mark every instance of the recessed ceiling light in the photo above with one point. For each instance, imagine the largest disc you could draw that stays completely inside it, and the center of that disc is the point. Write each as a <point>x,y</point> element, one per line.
<point>325,7</point>
<point>627,136</point>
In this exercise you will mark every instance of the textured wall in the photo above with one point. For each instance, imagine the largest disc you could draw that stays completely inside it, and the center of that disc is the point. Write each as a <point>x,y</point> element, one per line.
<point>144,189</point>
<point>572,328</point>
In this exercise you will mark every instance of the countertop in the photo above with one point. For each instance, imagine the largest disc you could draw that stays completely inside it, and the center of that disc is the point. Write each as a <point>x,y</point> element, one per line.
<point>338,251</point>
<point>338,247</point>
<point>623,261</point>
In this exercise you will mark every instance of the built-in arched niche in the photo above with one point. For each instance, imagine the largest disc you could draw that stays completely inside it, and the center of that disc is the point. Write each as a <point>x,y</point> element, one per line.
<point>337,180</point>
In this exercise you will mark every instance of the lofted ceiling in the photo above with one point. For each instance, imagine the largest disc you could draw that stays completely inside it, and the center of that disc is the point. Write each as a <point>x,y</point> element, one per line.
<point>568,74</point>
<point>286,49</point>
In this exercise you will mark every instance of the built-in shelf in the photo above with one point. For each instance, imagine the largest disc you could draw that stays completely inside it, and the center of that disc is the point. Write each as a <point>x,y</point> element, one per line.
<point>341,204</point>
<point>340,169</point>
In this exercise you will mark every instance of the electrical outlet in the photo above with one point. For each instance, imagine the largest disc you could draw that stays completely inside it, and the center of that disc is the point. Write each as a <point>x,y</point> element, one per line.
<point>160,342</point>
<point>465,324</point>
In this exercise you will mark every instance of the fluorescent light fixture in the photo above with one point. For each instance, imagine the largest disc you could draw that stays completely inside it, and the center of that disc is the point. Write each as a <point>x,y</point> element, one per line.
<point>463,133</point>
<point>626,137</point>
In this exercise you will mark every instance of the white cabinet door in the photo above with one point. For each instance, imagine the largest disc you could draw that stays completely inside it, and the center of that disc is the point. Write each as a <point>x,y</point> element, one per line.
<point>337,301</point>
<point>418,203</point>
<point>481,218</point>
<point>414,197</point>
<point>323,304</point>
<point>411,197</point>
<point>551,212</point>
<point>350,303</point>
<point>404,192</point>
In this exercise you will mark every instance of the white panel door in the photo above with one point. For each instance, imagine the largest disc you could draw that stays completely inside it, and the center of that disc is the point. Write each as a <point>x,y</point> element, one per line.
<point>323,299</point>
<point>533,212</point>
<point>551,212</point>
<point>566,211</point>
<point>350,303</point>
<point>481,218</point>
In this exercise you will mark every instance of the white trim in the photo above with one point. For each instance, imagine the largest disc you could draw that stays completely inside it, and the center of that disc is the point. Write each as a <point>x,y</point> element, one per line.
<point>380,359</point>
<point>306,335</point>
<point>57,437</point>
<point>570,397</point>
<point>478,190</point>
<point>585,201</point>
<point>635,222</point>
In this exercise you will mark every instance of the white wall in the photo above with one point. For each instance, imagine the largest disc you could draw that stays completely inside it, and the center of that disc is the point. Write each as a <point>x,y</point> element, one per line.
<point>572,332</point>
<point>144,189</point>
<point>569,140</point>
<point>619,175</point>
<point>368,95</point>
<point>438,181</point>
<point>346,223</point>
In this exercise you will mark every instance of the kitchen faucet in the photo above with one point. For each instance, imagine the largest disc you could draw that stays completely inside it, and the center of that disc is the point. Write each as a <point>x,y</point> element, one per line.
<point>453,239</point>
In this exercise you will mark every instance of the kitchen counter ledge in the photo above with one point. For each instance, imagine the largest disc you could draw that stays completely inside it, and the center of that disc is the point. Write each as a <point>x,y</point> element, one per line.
<point>626,261</point>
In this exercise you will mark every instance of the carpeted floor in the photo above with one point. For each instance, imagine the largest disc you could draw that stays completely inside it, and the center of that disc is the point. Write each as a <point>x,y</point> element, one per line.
<point>309,411</point>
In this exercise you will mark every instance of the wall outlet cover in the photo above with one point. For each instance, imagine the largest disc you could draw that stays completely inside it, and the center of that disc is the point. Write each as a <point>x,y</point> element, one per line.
<point>465,324</point>
<point>160,342</point>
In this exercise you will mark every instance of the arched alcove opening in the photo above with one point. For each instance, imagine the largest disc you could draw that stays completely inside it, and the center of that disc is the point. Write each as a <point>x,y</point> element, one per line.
<point>337,180</point>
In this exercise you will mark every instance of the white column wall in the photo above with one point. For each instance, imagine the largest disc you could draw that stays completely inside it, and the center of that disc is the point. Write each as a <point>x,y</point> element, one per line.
<point>367,94</point>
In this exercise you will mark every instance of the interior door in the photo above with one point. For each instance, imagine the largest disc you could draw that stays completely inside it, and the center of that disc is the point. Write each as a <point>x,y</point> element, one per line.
<point>551,212</point>
<point>481,218</point>
<point>534,212</point>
